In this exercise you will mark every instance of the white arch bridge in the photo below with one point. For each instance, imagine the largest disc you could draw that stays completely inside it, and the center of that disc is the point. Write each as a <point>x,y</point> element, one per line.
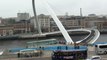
<point>91,38</point>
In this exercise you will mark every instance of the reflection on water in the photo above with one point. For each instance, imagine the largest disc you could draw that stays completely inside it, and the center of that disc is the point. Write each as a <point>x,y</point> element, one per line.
<point>22,43</point>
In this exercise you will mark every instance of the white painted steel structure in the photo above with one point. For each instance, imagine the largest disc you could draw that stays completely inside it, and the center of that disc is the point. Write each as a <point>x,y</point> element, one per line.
<point>59,24</point>
<point>96,36</point>
<point>91,38</point>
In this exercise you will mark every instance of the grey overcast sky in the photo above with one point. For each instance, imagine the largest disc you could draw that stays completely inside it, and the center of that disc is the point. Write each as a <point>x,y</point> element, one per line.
<point>10,8</point>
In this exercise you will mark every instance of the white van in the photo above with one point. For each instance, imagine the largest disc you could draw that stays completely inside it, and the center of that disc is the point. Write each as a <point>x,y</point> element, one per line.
<point>101,48</point>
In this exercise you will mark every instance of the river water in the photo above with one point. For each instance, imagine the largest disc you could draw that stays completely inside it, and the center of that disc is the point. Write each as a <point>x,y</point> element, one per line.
<point>7,44</point>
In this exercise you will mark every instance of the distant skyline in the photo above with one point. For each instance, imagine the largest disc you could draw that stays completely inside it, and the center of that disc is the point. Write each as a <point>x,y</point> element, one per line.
<point>10,8</point>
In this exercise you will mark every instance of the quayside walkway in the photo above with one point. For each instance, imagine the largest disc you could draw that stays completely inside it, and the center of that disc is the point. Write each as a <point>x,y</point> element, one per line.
<point>90,52</point>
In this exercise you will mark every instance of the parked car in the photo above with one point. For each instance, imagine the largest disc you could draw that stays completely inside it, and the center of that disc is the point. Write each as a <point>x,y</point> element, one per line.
<point>95,58</point>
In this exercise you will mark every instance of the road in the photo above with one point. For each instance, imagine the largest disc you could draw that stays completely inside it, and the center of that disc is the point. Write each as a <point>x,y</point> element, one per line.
<point>33,58</point>
<point>92,53</point>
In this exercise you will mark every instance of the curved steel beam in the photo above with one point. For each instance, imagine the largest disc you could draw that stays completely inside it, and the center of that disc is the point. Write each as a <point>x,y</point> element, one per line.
<point>97,34</point>
<point>91,38</point>
<point>36,18</point>
<point>59,24</point>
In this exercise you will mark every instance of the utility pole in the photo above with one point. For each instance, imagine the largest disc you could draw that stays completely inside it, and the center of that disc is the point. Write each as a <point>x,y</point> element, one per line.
<point>81,12</point>
<point>36,18</point>
<point>80,17</point>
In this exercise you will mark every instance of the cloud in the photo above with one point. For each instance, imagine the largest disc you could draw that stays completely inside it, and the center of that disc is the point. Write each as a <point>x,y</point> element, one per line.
<point>11,7</point>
